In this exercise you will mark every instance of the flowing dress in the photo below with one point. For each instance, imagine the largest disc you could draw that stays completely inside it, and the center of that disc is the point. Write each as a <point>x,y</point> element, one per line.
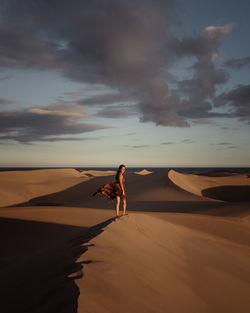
<point>111,190</point>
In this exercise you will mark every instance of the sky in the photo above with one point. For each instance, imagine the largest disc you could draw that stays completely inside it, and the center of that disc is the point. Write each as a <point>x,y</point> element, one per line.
<point>161,83</point>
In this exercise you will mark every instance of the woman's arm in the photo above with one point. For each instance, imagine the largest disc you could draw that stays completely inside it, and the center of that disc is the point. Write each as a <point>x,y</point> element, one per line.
<point>121,184</point>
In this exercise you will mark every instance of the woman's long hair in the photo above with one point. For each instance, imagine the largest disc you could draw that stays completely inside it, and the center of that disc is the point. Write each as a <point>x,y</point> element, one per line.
<point>118,171</point>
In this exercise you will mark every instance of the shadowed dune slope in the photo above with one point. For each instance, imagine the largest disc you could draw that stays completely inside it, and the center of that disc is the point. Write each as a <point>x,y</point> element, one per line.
<point>233,188</point>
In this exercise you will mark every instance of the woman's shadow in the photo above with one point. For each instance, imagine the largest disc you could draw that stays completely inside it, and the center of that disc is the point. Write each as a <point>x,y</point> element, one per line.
<point>39,264</point>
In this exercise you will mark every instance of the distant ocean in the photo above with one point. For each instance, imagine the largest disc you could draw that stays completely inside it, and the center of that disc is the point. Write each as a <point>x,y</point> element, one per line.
<point>132,169</point>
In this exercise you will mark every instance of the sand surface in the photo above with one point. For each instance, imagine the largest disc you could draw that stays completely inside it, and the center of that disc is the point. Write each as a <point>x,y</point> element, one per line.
<point>152,265</point>
<point>177,250</point>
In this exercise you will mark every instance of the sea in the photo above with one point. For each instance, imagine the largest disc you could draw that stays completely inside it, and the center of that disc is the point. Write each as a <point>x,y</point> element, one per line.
<point>132,169</point>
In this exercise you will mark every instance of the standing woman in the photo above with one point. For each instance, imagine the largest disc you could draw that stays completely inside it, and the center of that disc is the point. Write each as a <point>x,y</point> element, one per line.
<point>115,190</point>
<point>120,181</point>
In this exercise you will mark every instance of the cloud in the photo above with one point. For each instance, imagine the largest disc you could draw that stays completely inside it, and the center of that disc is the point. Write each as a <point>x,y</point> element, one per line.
<point>188,141</point>
<point>41,111</point>
<point>115,112</point>
<point>4,101</point>
<point>168,143</point>
<point>206,44</point>
<point>102,99</point>
<point>232,147</point>
<point>238,100</point>
<point>8,76</point>
<point>198,92</point>
<point>126,46</point>
<point>221,144</point>
<point>138,146</point>
<point>52,139</point>
<point>201,122</point>
<point>43,124</point>
<point>224,145</point>
<point>230,128</point>
<point>129,134</point>
<point>182,141</point>
<point>237,63</point>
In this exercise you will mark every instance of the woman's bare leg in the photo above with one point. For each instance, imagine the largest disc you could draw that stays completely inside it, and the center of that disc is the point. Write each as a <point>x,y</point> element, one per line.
<point>124,205</point>
<point>117,205</point>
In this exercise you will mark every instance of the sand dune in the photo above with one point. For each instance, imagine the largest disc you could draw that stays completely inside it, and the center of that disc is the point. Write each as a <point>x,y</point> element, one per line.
<point>176,251</point>
<point>21,186</point>
<point>154,192</point>
<point>95,173</point>
<point>146,264</point>
<point>225,188</point>
<point>143,172</point>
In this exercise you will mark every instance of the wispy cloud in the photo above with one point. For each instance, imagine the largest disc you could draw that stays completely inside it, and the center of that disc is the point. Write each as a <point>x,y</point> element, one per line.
<point>168,143</point>
<point>229,128</point>
<point>130,134</point>
<point>233,147</point>
<point>4,101</point>
<point>137,146</point>
<point>57,138</point>
<point>178,142</point>
<point>188,141</point>
<point>223,145</point>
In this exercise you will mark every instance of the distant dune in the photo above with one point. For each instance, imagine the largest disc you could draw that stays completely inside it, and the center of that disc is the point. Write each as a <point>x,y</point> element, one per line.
<point>21,186</point>
<point>233,188</point>
<point>143,172</point>
<point>183,247</point>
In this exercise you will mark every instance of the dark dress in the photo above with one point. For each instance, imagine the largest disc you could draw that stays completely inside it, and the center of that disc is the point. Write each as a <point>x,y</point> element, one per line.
<point>111,190</point>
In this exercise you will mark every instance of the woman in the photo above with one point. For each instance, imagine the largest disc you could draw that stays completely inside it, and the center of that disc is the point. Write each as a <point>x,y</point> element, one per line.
<point>115,190</point>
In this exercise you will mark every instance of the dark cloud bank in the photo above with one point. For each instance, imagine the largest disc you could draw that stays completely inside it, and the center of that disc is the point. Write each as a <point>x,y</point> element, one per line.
<point>39,124</point>
<point>128,46</point>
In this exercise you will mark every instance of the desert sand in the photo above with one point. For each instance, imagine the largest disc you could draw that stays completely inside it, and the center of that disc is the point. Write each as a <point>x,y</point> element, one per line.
<point>183,247</point>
